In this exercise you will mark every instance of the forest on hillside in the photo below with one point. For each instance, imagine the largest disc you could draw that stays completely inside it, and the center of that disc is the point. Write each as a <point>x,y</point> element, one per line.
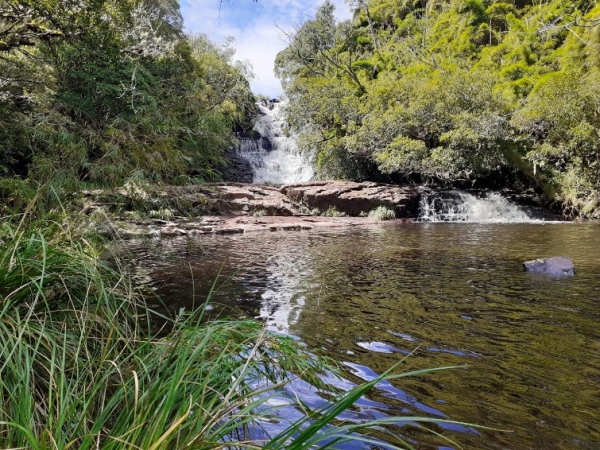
<point>466,93</point>
<point>105,91</point>
<point>501,93</point>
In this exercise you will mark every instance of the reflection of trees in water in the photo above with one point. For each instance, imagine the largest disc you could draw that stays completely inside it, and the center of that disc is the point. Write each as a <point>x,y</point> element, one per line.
<point>457,292</point>
<point>182,274</point>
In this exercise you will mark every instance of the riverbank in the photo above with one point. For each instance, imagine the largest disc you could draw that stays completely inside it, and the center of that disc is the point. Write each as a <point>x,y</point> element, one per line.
<point>245,199</point>
<point>226,208</point>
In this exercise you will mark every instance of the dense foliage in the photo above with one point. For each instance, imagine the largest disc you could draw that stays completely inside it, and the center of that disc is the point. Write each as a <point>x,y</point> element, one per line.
<point>457,91</point>
<point>106,90</point>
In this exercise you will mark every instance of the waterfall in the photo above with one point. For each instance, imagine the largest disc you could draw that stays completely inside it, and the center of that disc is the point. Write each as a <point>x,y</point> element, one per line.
<point>485,207</point>
<point>274,157</point>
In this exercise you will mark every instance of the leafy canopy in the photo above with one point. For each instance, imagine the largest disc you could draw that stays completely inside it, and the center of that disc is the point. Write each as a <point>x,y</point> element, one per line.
<point>485,92</point>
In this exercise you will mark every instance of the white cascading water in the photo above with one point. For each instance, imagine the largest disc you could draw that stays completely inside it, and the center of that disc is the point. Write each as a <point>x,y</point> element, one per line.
<point>456,206</point>
<point>275,158</point>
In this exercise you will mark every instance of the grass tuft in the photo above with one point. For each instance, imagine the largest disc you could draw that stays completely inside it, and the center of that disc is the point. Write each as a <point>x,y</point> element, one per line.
<point>382,213</point>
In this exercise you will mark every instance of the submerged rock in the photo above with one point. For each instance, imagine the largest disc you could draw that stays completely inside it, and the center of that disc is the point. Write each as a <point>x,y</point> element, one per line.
<point>555,266</point>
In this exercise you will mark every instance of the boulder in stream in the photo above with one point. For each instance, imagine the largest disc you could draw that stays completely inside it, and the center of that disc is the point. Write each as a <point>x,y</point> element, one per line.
<point>556,266</point>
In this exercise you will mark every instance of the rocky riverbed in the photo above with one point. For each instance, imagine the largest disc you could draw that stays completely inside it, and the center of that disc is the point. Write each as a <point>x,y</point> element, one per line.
<point>137,210</point>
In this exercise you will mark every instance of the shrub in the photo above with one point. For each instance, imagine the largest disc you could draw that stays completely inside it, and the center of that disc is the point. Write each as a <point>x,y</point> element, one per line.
<point>382,213</point>
<point>332,211</point>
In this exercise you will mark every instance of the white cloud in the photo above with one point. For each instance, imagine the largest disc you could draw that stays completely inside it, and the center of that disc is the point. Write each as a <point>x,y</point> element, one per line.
<point>254,26</point>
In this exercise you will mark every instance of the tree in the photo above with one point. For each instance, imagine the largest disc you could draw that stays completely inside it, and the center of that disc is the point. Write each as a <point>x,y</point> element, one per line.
<point>319,48</point>
<point>107,89</point>
<point>454,91</point>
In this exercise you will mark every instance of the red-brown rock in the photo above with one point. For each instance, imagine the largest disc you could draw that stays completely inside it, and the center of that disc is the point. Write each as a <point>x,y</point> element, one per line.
<point>354,198</point>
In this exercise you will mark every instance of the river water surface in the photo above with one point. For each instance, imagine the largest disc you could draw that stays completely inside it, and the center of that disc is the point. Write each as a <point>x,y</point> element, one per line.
<point>454,293</point>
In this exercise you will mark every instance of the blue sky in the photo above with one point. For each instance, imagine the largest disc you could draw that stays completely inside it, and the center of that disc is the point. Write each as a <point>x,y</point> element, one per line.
<point>255,28</point>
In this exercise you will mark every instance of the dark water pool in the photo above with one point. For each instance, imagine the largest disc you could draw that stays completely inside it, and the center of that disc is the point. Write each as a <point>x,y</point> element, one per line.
<point>454,294</point>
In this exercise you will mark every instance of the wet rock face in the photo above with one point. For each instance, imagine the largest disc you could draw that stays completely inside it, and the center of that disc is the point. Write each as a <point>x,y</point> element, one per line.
<point>355,198</point>
<point>266,143</point>
<point>238,169</point>
<point>557,266</point>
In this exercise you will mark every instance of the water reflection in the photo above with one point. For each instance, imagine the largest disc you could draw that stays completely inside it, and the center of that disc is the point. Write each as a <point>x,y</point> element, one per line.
<point>455,294</point>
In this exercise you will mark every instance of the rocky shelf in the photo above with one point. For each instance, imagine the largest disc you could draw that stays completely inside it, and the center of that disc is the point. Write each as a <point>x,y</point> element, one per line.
<point>221,208</point>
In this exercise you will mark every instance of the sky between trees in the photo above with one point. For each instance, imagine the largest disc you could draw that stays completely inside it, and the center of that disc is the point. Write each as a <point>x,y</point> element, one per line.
<point>255,28</point>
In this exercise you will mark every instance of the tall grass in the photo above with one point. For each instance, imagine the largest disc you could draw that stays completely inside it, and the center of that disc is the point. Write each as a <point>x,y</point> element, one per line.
<point>382,213</point>
<point>79,368</point>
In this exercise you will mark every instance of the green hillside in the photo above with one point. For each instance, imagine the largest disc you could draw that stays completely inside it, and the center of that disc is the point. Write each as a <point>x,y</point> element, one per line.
<point>463,92</point>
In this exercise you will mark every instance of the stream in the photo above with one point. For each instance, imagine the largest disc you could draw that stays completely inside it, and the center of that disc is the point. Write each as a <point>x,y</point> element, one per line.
<point>451,293</point>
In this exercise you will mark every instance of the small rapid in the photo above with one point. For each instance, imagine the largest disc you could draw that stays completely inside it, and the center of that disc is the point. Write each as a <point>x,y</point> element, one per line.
<point>274,157</point>
<point>484,207</point>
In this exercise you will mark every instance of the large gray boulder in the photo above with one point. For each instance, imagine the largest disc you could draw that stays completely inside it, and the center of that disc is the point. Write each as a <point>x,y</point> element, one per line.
<point>556,266</point>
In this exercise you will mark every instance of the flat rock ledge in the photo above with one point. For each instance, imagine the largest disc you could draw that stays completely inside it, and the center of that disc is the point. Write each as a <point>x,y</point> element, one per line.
<point>224,208</point>
<point>225,225</point>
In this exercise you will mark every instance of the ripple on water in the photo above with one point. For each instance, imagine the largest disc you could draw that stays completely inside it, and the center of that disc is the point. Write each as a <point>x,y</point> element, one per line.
<point>453,294</point>
<point>381,347</point>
